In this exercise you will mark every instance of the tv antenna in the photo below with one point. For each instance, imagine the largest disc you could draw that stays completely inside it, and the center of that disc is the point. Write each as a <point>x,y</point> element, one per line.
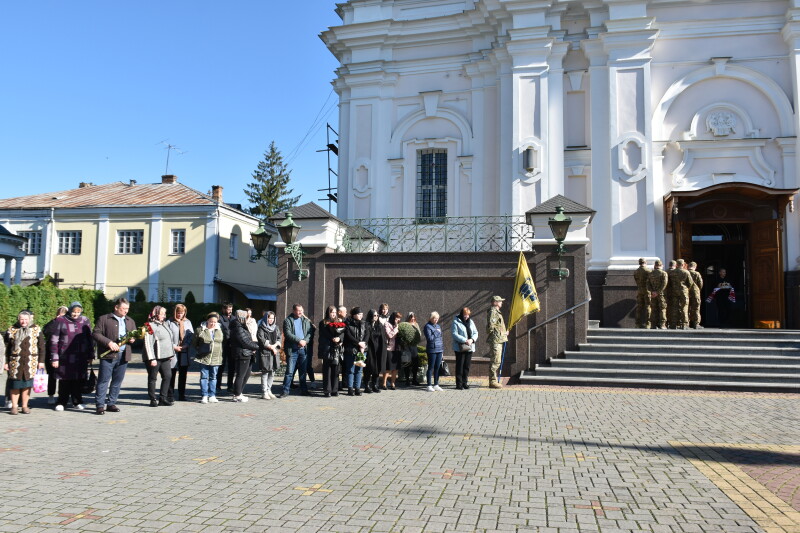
<point>169,148</point>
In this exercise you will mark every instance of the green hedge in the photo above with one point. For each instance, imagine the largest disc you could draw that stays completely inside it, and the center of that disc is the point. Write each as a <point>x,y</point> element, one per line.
<point>44,299</point>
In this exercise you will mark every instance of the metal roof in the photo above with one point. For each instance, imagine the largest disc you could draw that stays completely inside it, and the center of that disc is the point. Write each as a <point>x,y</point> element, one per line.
<point>307,211</point>
<point>112,194</point>
<point>570,206</point>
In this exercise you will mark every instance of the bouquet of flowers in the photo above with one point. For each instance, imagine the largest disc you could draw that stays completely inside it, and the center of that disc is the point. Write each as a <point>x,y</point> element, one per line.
<point>361,359</point>
<point>134,334</point>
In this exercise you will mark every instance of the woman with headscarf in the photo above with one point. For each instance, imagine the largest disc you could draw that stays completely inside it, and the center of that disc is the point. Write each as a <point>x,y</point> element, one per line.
<point>393,349</point>
<point>182,335</point>
<point>376,352</point>
<point>157,355</point>
<point>269,343</point>
<point>464,335</point>
<point>208,350</point>
<point>48,330</point>
<point>243,349</point>
<point>71,347</point>
<point>24,347</point>
<point>355,337</point>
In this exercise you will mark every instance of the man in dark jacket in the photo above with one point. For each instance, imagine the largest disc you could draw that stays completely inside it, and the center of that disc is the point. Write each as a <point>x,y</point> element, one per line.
<point>107,331</point>
<point>225,318</point>
<point>297,332</point>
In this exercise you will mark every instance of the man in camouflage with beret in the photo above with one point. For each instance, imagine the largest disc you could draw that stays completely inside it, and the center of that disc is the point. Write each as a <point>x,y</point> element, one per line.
<point>642,295</point>
<point>497,336</point>
<point>695,297</point>
<point>656,285</point>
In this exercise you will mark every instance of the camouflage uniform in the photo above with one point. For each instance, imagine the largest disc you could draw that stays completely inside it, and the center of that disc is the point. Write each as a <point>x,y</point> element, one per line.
<point>656,285</point>
<point>642,297</point>
<point>497,336</point>
<point>694,299</point>
<point>680,283</point>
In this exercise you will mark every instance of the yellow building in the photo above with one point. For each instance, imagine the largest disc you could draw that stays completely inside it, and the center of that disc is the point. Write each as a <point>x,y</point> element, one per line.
<point>164,239</point>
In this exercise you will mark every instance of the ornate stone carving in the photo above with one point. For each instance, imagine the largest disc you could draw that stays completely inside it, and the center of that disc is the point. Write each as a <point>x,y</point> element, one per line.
<point>721,123</point>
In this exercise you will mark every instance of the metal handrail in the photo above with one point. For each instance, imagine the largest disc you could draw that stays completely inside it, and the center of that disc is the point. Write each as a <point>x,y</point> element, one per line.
<point>551,319</point>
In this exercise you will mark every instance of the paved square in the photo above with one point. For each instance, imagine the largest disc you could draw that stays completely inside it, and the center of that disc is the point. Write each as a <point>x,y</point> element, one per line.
<point>546,459</point>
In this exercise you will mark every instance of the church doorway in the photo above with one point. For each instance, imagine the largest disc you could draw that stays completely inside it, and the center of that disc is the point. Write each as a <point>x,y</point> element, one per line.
<point>736,228</point>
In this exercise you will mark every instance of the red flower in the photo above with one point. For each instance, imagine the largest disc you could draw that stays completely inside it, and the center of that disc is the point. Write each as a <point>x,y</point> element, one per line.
<point>337,324</point>
<point>149,328</point>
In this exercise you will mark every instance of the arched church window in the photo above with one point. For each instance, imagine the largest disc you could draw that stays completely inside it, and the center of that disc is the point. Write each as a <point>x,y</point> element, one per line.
<point>431,185</point>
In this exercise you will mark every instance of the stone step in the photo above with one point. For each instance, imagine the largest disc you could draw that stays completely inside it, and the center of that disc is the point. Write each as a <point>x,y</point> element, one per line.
<point>531,378</point>
<point>700,341</point>
<point>697,367</point>
<point>739,349</point>
<point>695,333</point>
<point>669,375</point>
<point>700,357</point>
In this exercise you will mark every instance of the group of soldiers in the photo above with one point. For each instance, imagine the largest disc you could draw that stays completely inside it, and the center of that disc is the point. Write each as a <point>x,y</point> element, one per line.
<point>668,299</point>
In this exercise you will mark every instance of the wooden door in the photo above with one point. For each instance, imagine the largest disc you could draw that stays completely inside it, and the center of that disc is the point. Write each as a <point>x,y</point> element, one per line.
<point>766,274</point>
<point>683,241</point>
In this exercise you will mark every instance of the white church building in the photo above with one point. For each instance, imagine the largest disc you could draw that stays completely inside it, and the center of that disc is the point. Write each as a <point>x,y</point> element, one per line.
<point>673,119</point>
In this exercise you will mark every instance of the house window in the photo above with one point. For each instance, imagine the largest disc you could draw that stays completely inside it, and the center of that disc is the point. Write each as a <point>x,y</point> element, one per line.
<point>234,246</point>
<point>130,241</point>
<point>178,241</point>
<point>69,242</point>
<point>34,244</point>
<point>272,255</point>
<point>431,185</point>
<point>133,292</point>
<point>175,294</point>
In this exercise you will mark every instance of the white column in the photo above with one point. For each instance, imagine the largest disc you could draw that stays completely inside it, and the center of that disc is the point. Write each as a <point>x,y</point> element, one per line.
<point>555,112</point>
<point>791,179</point>
<point>7,274</point>
<point>154,258</point>
<point>18,271</point>
<point>211,255</point>
<point>49,244</point>
<point>101,262</point>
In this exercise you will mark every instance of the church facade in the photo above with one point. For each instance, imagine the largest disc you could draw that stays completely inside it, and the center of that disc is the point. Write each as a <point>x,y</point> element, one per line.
<point>673,119</point>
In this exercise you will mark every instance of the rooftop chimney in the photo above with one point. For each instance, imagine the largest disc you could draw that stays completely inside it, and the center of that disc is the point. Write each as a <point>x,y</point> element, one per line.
<point>216,193</point>
<point>84,184</point>
<point>169,178</point>
<point>133,182</point>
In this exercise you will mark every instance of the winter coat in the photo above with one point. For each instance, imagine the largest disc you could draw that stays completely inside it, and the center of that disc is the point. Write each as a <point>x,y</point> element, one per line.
<point>158,345</point>
<point>391,336</point>
<point>268,360</point>
<point>71,347</point>
<point>326,350</point>
<point>23,363</point>
<point>242,344</point>
<point>433,337</point>
<point>292,340</point>
<point>459,332</point>
<point>354,333</point>
<point>376,347</point>
<point>215,338</point>
<point>185,356</point>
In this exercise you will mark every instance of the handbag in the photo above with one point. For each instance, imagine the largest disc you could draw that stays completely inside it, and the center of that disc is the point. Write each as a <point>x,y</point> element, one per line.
<point>465,347</point>
<point>203,349</point>
<point>90,383</point>
<point>40,381</point>
<point>445,370</point>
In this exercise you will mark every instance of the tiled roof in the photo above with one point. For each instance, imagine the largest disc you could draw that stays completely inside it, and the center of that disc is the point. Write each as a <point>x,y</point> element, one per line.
<point>570,206</point>
<point>306,211</point>
<point>112,194</point>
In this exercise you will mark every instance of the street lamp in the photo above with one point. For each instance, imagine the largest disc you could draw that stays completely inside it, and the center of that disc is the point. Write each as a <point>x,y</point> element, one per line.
<point>260,238</point>
<point>559,225</point>
<point>289,230</point>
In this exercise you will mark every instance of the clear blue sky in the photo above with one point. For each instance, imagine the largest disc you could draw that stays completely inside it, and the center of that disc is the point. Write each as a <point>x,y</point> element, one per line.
<point>89,88</point>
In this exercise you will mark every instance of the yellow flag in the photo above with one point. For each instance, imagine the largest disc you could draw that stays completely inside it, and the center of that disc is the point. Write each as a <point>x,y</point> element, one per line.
<point>525,300</point>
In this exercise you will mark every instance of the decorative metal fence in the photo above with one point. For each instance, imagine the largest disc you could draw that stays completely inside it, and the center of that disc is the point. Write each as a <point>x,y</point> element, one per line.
<point>452,234</point>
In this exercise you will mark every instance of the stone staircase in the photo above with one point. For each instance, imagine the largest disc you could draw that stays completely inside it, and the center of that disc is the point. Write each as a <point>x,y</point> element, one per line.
<point>710,359</point>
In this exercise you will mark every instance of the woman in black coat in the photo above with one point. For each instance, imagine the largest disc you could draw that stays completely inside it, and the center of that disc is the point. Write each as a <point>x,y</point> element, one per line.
<point>243,349</point>
<point>376,352</point>
<point>329,350</point>
<point>355,341</point>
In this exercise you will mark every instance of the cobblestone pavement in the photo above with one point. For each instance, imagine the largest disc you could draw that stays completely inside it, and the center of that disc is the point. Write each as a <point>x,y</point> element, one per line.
<point>546,459</point>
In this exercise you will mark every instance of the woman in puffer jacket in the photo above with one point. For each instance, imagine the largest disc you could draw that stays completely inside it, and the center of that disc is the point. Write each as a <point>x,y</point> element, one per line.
<point>243,350</point>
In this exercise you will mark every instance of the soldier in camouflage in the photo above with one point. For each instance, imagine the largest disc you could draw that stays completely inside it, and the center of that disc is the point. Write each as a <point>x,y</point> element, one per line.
<point>497,337</point>
<point>642,295</point>
<point>680,283</point>
<point>695,297</point>
<point>670,314</point>
<point>656,285</point>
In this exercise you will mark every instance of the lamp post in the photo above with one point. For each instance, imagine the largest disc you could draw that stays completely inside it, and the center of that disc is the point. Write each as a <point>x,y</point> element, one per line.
<point>289,230</point>
<point>559,225</point>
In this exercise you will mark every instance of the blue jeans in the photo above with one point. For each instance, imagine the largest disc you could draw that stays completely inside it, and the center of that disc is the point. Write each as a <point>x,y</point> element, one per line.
<point>208,380</point>
<point>434,367</point>
<point>111,371</point>
<point>352,372</point>
<point>295,362</point>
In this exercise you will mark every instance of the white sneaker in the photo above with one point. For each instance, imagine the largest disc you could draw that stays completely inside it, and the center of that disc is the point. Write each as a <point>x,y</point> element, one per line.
<point>51,400</point>
<point>79,406</point>
<point>266,396</point>
<point>430,388</point>
<point>235,399</point>
<point>243,398</point>
<point>272,396</point>
<point>9,405</point>
<point>59,407</point>
<point>437,388</point>
<point>212,399</point>
<point>204,399</point>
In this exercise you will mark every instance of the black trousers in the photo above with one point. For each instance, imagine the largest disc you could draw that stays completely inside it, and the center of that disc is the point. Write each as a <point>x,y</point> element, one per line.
<point>242,370</point>
<point>181,373</point>
<point>463,362</point>
<point>162,367</point>
<point>52,380</point>
<point>70,389</point>
<point>410,371</point>
<point>330,377</point>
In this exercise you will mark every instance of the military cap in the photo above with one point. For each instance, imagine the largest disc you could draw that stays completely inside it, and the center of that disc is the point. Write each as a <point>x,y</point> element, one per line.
<point>498,299</point>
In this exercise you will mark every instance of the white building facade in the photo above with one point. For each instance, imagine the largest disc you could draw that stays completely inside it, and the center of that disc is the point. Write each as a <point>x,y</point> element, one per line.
<point>674,120</point>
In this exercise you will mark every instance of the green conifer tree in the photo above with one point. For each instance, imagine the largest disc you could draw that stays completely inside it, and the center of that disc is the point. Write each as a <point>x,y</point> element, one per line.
<point>269,193</point>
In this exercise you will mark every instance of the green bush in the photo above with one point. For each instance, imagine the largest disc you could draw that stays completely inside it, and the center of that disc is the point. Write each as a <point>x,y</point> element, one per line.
<point>44,299</point>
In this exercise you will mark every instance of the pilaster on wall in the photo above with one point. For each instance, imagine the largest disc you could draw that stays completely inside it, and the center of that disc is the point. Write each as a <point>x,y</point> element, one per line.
<point>791,179</point>
<point>101,264</point>
<point>635,218</point>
